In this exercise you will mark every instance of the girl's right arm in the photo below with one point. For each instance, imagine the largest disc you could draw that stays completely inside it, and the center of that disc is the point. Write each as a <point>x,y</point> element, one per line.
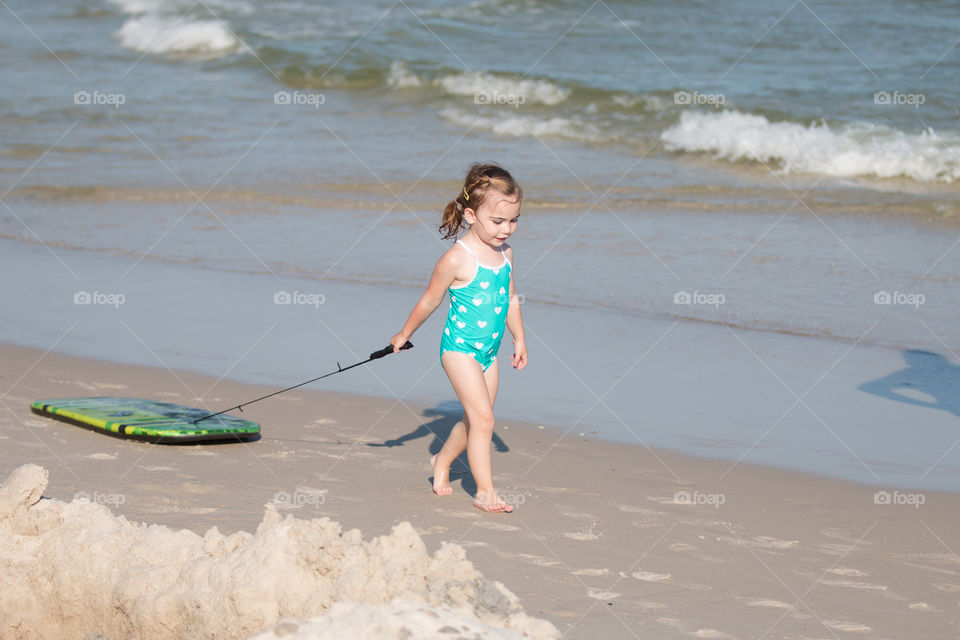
<point>444,273</point>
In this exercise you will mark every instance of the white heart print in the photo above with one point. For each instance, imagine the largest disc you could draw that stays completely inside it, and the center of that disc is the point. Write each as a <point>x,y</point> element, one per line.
<point>461,324</point>
<point>446,330</point>
<point>478,345</point>
<point>502,291</point>
<point>477,301</point>
<point>497,309</point>
<point>494,335</point>
<point>484,285</point>
<point>462,309</point>
<point>459,340</point>
<point>482,324</point>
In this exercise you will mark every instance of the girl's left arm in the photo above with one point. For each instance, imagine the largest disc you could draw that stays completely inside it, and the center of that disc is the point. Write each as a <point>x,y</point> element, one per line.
<point>515,319</point>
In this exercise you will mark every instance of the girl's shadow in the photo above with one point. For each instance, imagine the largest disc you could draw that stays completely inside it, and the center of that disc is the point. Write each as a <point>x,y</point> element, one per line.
<point>929,374</point>
<point>444,416</point>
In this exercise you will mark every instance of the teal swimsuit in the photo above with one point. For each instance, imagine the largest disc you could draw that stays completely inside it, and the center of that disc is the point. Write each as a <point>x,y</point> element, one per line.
<point>478,312</point>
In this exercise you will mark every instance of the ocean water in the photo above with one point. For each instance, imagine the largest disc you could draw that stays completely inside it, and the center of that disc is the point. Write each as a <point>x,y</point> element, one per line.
<point>768,169</point>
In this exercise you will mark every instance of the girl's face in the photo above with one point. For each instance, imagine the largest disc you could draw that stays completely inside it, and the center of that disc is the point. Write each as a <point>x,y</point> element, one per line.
<point>495,220</point>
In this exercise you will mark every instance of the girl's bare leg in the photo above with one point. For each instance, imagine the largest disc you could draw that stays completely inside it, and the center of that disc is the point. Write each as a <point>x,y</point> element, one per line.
<point>477,391</point>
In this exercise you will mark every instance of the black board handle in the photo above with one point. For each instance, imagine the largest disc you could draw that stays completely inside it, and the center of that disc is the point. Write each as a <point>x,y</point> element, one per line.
<point>389,349</point>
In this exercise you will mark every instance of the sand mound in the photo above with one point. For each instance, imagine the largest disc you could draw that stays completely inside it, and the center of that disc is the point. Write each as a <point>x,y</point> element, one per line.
<point>400,620</point>
<point>78,566</point>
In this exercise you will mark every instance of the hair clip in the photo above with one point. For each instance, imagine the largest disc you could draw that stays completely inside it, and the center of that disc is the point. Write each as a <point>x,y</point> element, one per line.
<point>466,196</point>
<point>459,207</point>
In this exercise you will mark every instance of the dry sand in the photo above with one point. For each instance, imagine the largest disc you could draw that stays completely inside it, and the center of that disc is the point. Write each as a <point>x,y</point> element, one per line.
<point>608,541</point>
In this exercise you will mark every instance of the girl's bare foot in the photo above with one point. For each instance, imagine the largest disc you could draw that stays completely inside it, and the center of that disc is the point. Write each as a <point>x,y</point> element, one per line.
<point>493,505</point>
<point>441,482</point>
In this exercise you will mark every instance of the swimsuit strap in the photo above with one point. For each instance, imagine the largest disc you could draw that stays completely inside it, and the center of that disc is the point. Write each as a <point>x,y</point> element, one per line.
<point>464,245</point>
<point>470,251</point>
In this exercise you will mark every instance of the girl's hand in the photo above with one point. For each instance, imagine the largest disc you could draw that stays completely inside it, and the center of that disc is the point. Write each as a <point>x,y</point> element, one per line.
<point>519,359</point>
<point>398,341</point>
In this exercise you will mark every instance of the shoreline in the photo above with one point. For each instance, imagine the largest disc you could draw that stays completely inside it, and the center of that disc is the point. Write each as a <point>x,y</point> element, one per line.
<point>606,537</point>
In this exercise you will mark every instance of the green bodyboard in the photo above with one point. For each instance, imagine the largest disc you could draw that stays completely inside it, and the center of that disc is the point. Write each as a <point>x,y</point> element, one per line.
<point>139,419</point>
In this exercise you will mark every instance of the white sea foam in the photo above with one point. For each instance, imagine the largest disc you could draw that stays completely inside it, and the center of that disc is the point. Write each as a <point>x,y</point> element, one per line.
<point>138,6</point>
<point>177,7</point>
<point>153,33</point>
<point>509,124</point>
<point>857,149</point>
<point>401,77</point>
<point>485,85</point>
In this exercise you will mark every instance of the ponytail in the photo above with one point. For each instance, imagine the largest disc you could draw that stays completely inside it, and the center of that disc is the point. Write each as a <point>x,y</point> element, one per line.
<point>452,220</point>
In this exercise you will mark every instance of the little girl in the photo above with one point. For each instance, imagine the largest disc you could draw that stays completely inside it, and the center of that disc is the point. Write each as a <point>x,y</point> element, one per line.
<point>477,273</point>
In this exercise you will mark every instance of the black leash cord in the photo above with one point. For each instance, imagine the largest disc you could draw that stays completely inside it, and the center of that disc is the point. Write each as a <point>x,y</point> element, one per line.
<point>373,356</point>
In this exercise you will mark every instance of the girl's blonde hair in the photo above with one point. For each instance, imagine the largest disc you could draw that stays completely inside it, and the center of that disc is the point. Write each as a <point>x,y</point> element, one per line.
<point>480,179</point>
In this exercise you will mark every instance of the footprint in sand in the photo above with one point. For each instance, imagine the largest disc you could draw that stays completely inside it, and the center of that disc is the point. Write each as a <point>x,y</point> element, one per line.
<point>432,530</point>
<point>582,535</point>
<point>602,595</point>
<point>540,561</point>
<point>102,456</point>
<point>923,606</point>
<point>591,572</point>
<point>648,512</point>
<point>841,535</point>
<point>197,489</point>
<point>110,385</point>
<point>775,604</point>
<point>158,468</point>
<point>472,544</point>
<point>690,630</point>
<point>650,576</point>
<point>574,514</point>
<point>850,584</point>
<point>459,514</point>
<point>497,526</point>
<point>762,542</point>
<point>949,588</point>
<point>841,625</point>
<point>846,571</point>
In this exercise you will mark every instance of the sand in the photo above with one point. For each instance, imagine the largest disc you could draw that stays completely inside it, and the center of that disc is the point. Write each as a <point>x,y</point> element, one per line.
<point>608,540</point>
<point>75,565</point>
